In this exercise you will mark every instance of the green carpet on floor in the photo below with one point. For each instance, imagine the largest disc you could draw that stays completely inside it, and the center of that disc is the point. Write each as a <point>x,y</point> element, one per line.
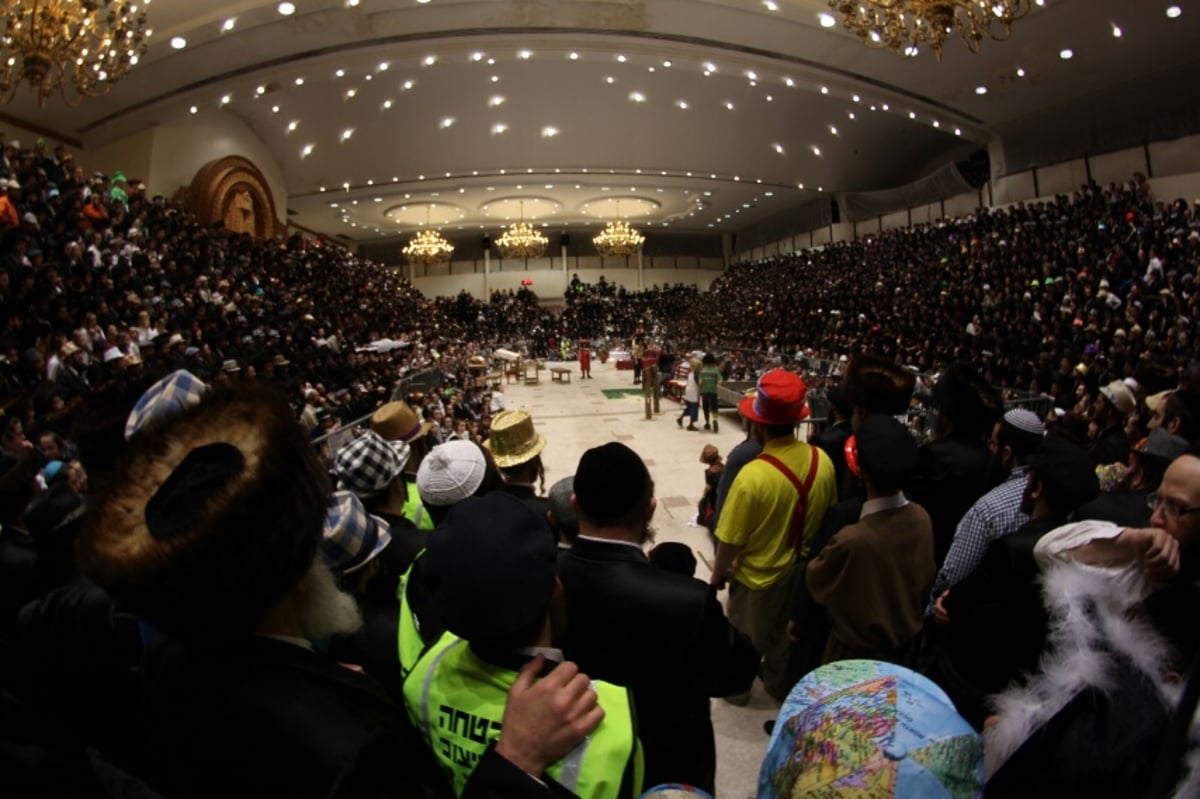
<point>617,393</point>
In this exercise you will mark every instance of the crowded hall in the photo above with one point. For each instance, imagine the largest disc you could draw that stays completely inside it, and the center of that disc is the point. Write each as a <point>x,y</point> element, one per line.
<point>599,398</point>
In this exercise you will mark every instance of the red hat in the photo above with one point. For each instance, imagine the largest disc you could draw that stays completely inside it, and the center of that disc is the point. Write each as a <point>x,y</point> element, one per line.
<point>778,399</point>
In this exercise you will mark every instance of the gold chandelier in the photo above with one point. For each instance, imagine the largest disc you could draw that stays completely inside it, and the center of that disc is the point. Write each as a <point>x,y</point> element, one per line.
<point>904,25</point>
<point>77,47</point>
<point>521,240</point>
<point>618,238</point>
<point>428,246</point>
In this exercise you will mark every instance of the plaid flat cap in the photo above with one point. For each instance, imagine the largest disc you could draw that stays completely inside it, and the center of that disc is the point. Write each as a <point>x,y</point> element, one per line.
<point>179,390</point>
<point>369,464</point>
<point>352,536</point>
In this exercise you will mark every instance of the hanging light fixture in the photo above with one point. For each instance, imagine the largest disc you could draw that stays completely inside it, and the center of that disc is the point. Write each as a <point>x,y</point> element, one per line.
<point>903,26</point>
<point>77,47</point>
<point>521,240</point>
<point>428,246</point>
<point>618,238</point>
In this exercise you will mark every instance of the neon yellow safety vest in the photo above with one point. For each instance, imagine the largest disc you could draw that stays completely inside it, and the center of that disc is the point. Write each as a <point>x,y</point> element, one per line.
<point>413,510</point>
<point>457,702</point>
<point>409,642</point>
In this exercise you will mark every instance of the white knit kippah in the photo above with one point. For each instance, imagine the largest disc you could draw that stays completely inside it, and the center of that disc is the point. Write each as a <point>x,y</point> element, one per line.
<point>450,472</point>
<point>1024,420</point>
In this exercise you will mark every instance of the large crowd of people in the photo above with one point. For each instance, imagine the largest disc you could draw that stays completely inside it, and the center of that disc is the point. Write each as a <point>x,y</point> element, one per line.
<point>180,581</point>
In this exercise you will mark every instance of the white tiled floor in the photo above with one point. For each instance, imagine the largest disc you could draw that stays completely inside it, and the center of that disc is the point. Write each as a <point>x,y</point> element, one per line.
<point>576,416</point>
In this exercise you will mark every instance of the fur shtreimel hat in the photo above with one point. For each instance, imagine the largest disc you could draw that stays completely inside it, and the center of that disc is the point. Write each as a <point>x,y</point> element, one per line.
<point>877,385</point>
<point>214,515</point>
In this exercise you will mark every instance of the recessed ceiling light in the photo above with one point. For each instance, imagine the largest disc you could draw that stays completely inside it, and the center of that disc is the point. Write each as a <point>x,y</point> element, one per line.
<point>751,74</point>
<point>789,82</point>
<point>498,128</point>
<point>383,66</point>
<point>495,100</point>
<point>851,115</point>
<point>1066,54</point>
<point>855,98</point>
<point>1174,11</point>
<point>525,54</point>
<point>682,104</point>
<point>226,99</point>
<point>824,90</point>
<point>178,42</point>
<point>826,20</point>
<point>429,60</point>
<point>771,5</point>
<point>729,105</point>
<point>777,148</point>
<point>637,97</point>
<point>408,84</point>
<point>307,151</point>
<point>446,122</point>
<point>260,90</point>
<point>387,104</point>
<point>341,73</point>
<point>274,109</point>
<point>287,9</point>
<point>194,110</point>
<point>347,133</point>
<point>350,93</point>
<point>912,114</point>
<point>228,24</point>
<point>351,3</point>
<point>621,58</point>
<point>667,64</point>
<point>495,79</point>
<point>299,81</point>
<point>549,132</point>
<point>833,130</point>
<point>958,131</point>
<point>293,125</point>
<point>573,56</point>
<point>981,90</point>
<point>491,61</point>
<point>650,69</point>
<point>816,150</point>
<point>1116,30</point>
<point>477,56</point>
<point>937,124</point>
<point>770,98</point>
<point>609,79</point>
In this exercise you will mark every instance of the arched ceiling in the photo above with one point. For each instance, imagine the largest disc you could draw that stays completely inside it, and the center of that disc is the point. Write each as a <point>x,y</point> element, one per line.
<point>699,115</point>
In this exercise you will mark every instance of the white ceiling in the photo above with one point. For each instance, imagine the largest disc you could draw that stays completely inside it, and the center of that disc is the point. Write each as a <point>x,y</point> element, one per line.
<point>474,105</point>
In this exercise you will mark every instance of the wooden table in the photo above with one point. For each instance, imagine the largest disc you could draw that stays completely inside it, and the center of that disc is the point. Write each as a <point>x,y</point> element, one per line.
<point>560,373</point>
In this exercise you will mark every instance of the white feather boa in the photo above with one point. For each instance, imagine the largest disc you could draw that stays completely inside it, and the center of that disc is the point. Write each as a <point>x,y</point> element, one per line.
<point>1089,622</point>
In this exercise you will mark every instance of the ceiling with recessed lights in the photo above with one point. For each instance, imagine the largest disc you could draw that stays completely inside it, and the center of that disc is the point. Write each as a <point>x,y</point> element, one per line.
<point>690,115</point>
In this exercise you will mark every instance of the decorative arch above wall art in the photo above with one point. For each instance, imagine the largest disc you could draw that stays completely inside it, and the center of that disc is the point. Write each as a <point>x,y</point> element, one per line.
<point>233,190</point>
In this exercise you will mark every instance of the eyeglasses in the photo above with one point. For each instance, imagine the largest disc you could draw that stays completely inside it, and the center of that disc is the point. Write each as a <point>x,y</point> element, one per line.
<point>1169,507</point>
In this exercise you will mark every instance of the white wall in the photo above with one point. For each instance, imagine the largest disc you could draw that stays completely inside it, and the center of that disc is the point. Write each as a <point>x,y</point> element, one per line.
<point>554,284</point>
<point>181,149</point>
<point>168,157</point>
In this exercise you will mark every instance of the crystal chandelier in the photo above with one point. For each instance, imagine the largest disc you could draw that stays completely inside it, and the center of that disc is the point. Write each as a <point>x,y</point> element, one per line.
<point>428,246</point>
<point>904,25</point>
<point>618,238</point>
<point>521,240</point>
<point>77,47</point>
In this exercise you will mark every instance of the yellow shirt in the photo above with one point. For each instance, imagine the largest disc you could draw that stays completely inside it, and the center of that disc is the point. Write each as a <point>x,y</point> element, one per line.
<point>757,513</point>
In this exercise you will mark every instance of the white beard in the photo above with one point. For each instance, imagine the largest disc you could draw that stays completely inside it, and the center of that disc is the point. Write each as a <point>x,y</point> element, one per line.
<point>328,610</point>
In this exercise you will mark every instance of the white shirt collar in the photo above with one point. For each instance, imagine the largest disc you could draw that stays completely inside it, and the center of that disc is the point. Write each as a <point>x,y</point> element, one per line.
<point>897,500</point>
<point>638,547</point>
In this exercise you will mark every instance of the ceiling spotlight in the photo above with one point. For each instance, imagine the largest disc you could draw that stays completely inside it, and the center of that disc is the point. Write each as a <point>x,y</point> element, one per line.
<point>341,73</point>
<point>682,104</point>
<point>816,150</point>
<point>499,128</point>
<point>226,99</point>
<point>771,5</point>
<point>287,9</point>
<point>789,82</point>
<point>709,66</point>
<point>1066,54</point>
<point>476,56</point>
<point>824,90</point>
<point>387,104</point>
<point>833,130</point>
<point>495,100</point>
<point>495,79</point>
<point>549,132</point>
<point>347,133</point>
<point>228,24</point>
<point>299,81</point>
<point>350,93</point>
<point>1116,31</point>
<point>1020,72</point>
<point>912,114</point>
<point>178,42</point>
<point>1174,11</point>
<point>573,56</point>
<point>292,125</point>
<point>383,66</point>
<point>351,3</point>
<point>274,109</point>
<point>429,60</point>
<point>525,55</point>
<point>609,79</point>
<point>446,122</point>
<point>667,64</point>
<point>307,151</point>
<point>777,148</point>
<point>408,84</point>
<point>911,51</point>
<point>751,74</point>
<point>729,105</point>
<point>637,97</point>
<point>981,90</point>
<point>194,110</point>
<point>826,20</point>
<point>621,58</point>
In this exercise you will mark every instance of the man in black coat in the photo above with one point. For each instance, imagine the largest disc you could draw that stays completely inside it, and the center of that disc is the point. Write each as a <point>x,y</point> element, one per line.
<point>661,634</point>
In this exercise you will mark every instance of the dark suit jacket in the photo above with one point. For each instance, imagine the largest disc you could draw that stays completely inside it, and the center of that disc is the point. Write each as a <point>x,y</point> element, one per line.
<point>833,441</point>
<point>664,636</point>
<point>261,717</point>
<point>951,474</point>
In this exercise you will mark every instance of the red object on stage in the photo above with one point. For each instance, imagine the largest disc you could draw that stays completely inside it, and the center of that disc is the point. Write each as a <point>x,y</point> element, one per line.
<point>528,281</point>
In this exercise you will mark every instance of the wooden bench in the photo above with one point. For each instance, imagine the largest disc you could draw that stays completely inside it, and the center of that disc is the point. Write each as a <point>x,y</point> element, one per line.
<point>531,372</point>
<point>560,373</point>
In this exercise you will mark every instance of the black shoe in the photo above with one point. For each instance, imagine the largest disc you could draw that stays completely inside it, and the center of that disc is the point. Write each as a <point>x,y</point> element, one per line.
<point>715,426</point>
<point>679,421</point>
<point>707,426</point>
